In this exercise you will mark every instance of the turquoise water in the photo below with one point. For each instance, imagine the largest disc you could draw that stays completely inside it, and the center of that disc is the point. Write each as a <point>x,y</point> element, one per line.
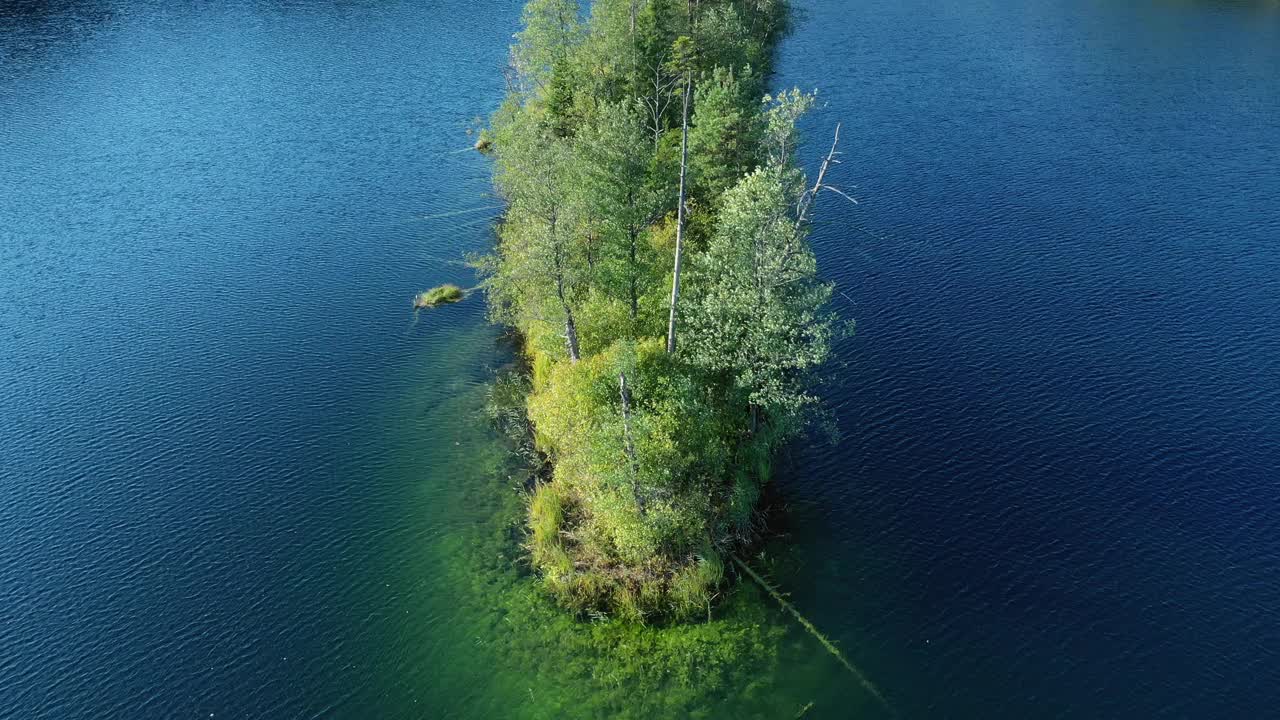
<point>241,479</point>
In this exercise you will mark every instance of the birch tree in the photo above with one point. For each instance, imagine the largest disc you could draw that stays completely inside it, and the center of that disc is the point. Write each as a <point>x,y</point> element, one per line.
<point>683,51</point>
<point>541,270</point>
<point>760,319</point>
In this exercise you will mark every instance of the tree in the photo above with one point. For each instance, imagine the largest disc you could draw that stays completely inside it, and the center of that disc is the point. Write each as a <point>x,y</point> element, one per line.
<point>780,135</point>
<point>725,132</point>
<point>558,100</point>
<point>723,41</point>
<point>541,269</point>
<point>610,56</point>
<point>682,53</point>
<point>613,157</point>
<point>759,318</point>
<point>551,30</point>
<point>658,26</point>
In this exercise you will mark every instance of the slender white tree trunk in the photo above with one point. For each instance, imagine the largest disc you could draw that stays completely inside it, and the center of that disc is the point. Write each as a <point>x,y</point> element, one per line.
<point>627,441</point>
<point>570,327</point>
<point>684,162</point>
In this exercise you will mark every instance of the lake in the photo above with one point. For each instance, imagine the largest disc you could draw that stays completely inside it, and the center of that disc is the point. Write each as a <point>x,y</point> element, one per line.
<point>241,479</point>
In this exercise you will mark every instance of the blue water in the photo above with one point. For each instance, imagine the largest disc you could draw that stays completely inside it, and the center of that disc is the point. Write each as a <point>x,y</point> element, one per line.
<point>214,218</point>
<point>1056,494</point>
<point>220,467</point>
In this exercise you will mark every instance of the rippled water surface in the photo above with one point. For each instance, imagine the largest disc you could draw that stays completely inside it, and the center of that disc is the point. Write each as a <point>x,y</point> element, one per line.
<point>231,473</point>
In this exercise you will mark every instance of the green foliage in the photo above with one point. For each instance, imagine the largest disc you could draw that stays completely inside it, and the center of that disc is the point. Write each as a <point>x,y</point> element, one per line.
<point>726,42</point>
<point>551,32</point>
<point>610,53</point>
<point>561,116</point>
<point>505,408</point>
<point>659,506</point>
<point>725,132</point>
<point>694,585</point>
<point>759,316</point>
<point>658,24</point>
<point>647,492</point>
<point>546,518</point>
<point>683,57</point>
<point>780,135</point>
<point>609,148</point>
<point>542,270</point>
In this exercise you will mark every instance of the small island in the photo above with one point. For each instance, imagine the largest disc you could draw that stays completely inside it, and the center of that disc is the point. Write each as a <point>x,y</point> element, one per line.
<point>439,295</point>
<point>654,259</point>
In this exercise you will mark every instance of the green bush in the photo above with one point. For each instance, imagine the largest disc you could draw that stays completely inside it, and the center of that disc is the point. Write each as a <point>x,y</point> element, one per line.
<point>644,530</point>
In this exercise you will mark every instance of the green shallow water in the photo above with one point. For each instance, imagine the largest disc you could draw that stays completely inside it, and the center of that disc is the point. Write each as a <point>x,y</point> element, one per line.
<point>466,632</point>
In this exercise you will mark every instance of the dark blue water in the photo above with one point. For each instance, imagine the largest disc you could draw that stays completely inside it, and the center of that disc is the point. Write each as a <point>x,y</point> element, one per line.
<point>220,451</point>
<point>1056,495</point>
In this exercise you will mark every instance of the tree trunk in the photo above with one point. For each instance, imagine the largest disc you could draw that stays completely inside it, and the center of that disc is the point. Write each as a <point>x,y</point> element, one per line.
<point>633,237</point>
<point>684,163</point>
<point>571,334</point>
<point>658,108</point>
<point>570,327</point>
<point>627,441</point>
<point>806,200</point>
<point>635,293</point>
<point>632,27</point>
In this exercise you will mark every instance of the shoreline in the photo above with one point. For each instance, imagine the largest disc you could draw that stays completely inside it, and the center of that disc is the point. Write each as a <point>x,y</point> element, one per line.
<point>659,447</point>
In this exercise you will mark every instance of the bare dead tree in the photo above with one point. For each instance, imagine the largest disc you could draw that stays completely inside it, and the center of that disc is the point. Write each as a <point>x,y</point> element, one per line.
<point>804,212</point>
<point>656,103</point>
<point>805,205</point>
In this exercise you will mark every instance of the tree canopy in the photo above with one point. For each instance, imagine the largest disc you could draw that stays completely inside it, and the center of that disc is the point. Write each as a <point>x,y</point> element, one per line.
<point>659,456</point>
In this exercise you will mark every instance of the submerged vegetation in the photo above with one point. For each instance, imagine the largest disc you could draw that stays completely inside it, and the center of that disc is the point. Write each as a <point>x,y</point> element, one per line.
<point>533,660</point>
<point>485,640</point>
<point>654,258</point>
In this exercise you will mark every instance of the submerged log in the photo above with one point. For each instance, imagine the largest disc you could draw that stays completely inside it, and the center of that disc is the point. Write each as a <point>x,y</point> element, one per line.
<point>804,622</point>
